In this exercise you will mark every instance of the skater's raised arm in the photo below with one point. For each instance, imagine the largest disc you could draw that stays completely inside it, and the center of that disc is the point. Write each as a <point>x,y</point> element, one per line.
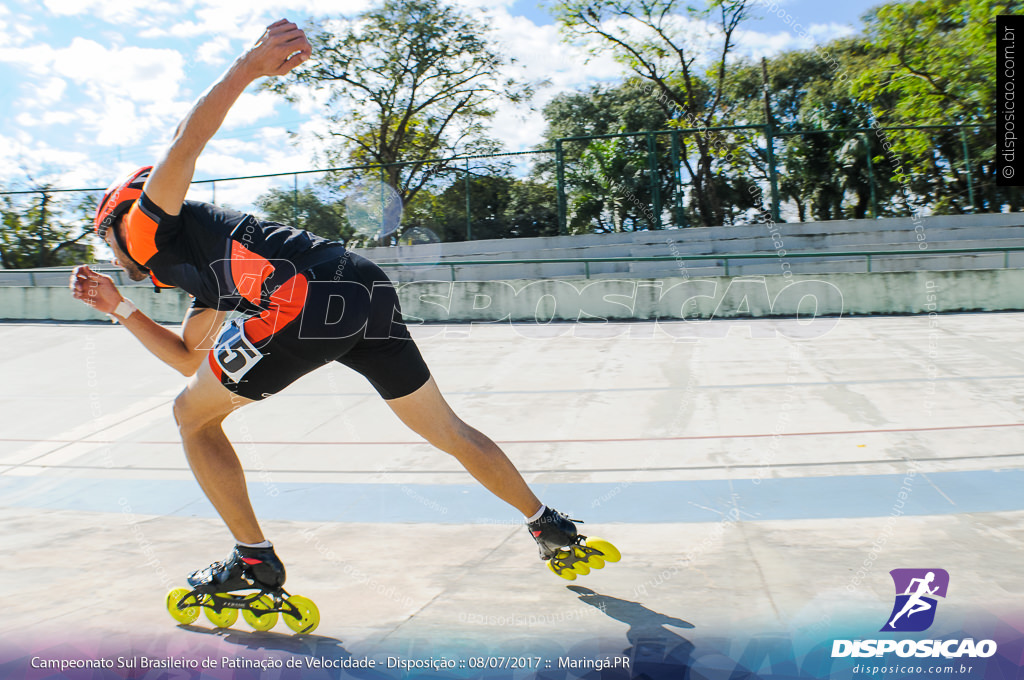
<point>281,48</point>
<point>184,353</point>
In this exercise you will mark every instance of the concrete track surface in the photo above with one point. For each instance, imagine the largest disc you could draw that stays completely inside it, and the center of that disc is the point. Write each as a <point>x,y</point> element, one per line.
<point>759,481</point>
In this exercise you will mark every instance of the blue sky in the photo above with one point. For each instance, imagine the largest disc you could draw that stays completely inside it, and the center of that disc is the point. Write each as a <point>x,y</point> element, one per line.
<point>95,87</point>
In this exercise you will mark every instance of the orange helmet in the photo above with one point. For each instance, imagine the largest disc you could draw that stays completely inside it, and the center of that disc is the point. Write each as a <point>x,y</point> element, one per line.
<point>118,198</point>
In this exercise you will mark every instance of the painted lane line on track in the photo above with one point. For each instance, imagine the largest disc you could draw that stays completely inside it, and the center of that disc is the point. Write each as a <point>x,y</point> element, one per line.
<point>599,440</point>
<point>837,497</point>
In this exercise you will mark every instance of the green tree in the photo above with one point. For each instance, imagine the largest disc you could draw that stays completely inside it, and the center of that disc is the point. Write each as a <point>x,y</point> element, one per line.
<point>45,229</point>
<point>406,81</point>
<point>933,63</point>
<point>306,209</point>
<point>608,183</point>
<point>610,190</point>
<point>532,209</point>
<point>825,175</point>
<point>655,39</point>
<point>499,207</point>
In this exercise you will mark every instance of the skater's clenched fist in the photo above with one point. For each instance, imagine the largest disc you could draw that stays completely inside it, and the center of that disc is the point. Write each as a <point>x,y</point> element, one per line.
<point>281,48</point>
<point>96,290</point>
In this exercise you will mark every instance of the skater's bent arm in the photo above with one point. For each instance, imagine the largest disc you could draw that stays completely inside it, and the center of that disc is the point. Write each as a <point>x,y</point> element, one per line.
<point>281,48</point>
<point>199,332</point>
<point>184,353</point>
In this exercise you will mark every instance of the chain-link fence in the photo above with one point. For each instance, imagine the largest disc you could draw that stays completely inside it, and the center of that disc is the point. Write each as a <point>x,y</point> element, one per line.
<point>635,181</point>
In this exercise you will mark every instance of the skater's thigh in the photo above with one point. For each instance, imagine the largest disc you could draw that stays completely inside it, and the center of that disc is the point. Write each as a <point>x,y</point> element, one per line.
<point>426,413</point>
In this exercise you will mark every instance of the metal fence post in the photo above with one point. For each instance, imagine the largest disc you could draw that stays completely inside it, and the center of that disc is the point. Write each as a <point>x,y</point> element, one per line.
<point>469,219</point>
<point>871,177</point>
<point>967,167</point>
<point>652,167</point>
<point>380,227</point>
<point>213,188</point>
<point>295,199</point>
<point>678,215</point>
<point>769,136</point>
<point>773,177</point>
<point>560,187</point>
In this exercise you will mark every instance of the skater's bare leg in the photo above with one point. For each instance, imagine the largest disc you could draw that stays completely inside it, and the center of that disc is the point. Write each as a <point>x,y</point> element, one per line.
<point>199,410</point>
<point>427,413</point>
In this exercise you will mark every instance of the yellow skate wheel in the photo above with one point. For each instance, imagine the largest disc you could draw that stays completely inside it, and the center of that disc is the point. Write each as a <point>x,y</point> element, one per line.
<point>609,553</point>
<point>567,574</point>
<point>309,615</point>
<point>578,560</point>
<point>595,562</point>
<point>226,616</point>
<point>260,621</point>
<point>186,615</point>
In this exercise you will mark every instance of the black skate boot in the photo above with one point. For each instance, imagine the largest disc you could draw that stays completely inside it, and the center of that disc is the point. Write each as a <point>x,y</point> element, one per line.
<point>245,568</point>
<point>552,531</point>
<point>248,569</point>
<point>565,550</point>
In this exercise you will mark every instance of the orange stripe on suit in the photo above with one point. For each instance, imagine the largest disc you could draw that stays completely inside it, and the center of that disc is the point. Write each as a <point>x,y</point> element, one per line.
<point>285,306</point>
<point>249,271</point>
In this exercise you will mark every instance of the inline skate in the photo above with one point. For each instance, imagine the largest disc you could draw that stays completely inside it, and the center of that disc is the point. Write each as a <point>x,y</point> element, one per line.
<point>568,553</point>
<point>259,573</point>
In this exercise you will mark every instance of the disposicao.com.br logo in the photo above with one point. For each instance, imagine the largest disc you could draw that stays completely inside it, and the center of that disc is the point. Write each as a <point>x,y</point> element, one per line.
<point>914,611</point>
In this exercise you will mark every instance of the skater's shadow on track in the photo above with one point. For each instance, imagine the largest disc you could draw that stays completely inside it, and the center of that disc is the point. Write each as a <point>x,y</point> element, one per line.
<point>643,622</point>
<point>321,645</point>
<point>656,651</point>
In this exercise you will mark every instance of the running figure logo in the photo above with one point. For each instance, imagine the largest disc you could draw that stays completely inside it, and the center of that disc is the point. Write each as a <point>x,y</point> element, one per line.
<point>916,590</point>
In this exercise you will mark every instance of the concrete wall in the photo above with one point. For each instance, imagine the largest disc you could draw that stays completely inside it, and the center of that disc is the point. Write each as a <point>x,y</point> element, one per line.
<point>46,303</point>
<point>901,233</point>
<point>541,301</point>
<point>716,297</point>
<point>884,234</point>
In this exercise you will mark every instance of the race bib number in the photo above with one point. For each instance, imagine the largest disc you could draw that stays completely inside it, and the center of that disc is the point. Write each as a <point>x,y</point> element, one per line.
<point>234,353</point>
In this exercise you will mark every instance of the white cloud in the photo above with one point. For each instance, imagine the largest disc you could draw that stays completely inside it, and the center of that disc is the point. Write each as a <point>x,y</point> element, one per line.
<point>109,100</point>
<point>822,33</point>
<point>120,12</point>
<point>23,154</point>
<point>250,108</point>
<point>247,20</point>
<point>33,60</point>
<point>541,56</point>
<point>484,5</point>
<point>46,93</point>
<point>146,74</point>
<point>270,152</point>
<point>756,44</point>
<point>46,118</point>
<point>120,123</point>
<point>215,51</point>
<point>15,30</point>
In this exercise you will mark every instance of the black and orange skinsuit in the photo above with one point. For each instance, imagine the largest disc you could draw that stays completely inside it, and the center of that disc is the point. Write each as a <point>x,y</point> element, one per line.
<point>305,301</point>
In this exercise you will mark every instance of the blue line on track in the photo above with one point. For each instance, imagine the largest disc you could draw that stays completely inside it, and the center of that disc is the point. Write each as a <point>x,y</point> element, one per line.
<point>942,493</point>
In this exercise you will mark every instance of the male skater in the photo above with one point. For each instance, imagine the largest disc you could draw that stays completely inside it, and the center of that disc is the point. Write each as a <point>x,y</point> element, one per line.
<point>283,280</point>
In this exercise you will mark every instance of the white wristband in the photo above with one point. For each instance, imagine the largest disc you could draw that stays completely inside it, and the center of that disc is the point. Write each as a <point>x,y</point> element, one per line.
<point>124,309</point>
